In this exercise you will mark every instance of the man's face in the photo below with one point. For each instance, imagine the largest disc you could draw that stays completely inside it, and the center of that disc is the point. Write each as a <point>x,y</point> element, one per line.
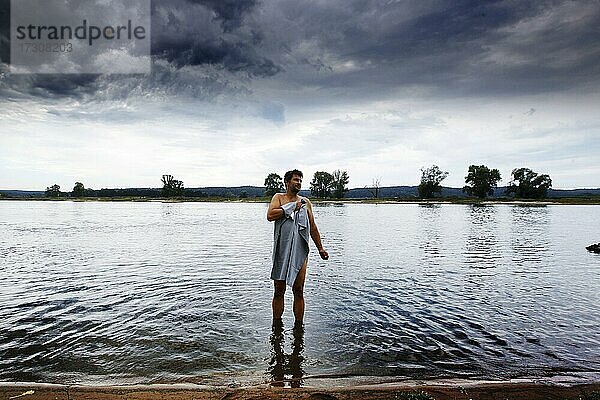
<point>295,184</point>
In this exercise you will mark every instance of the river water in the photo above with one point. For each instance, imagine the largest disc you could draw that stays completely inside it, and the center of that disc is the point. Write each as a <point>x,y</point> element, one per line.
<point>129,292</point>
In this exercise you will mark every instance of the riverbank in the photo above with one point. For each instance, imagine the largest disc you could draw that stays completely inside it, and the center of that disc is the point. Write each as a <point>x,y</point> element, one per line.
<point>408,200</point>
<point>516,389</point>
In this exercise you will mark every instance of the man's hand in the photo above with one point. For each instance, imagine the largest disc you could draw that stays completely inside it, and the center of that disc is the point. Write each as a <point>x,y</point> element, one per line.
<point>324,255</point>
<point>299,204</point>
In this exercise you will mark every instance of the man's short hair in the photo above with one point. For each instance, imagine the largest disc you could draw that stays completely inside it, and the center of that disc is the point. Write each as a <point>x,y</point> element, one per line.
<point>288,175</point>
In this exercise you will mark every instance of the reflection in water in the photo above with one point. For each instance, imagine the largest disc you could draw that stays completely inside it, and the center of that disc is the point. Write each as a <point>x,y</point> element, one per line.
<point>482,249</point>
<point>282,364</point>
<point>529,242</point>
<point>430,240</point>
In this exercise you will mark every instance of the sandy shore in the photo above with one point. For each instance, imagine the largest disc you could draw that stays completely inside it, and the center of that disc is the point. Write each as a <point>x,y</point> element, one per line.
<point>516,389</point>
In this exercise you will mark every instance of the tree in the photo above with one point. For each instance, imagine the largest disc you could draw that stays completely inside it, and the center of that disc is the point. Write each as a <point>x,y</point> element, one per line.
<point>171,187</point>
<point>527,184</point>
<point>53,191</point>
<point>431,179</point>
<point>320,186</point>
<point>338,185</point>
<point>273,184</point>
<point>481,181</point>
<point>78,190</point>
<point>375,187</point>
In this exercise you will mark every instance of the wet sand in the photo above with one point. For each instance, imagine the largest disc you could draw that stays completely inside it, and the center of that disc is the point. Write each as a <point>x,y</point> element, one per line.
<point>517,389</point>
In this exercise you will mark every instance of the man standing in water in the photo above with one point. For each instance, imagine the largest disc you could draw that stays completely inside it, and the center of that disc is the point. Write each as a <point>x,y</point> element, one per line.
<point>293,216</point>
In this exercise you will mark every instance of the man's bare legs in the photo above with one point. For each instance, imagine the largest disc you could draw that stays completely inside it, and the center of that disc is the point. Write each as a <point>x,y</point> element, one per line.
<point>278,300</point>
<point>298,289</point>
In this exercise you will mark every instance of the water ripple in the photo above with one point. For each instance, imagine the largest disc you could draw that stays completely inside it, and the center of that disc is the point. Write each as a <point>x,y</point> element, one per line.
<point>138,293</point>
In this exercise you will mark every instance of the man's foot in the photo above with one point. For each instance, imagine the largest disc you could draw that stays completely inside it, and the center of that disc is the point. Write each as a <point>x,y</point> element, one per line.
<point>277,323</point>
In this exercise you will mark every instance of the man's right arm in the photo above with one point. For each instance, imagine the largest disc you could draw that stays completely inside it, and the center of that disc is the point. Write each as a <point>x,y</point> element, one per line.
<point>275,211</point>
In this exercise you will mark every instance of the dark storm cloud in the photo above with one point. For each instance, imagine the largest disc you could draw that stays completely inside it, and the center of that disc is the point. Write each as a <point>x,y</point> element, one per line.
<point>165,81</point>
<point>470,47</point>
<point>4,31</point>
<point>230,12</point>
<point>206,32</point>
<point>45,85</point>
<point>456,48</point>
<point>185,33</point>
<point>446,28</point>
<point>235,57</point>
<point>57,85</point>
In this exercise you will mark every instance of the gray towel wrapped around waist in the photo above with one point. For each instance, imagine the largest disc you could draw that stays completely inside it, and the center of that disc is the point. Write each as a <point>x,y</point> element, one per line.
<point>290,247</point>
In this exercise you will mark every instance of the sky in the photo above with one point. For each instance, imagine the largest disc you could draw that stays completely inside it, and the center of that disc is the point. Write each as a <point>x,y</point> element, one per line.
<point>242,88</point>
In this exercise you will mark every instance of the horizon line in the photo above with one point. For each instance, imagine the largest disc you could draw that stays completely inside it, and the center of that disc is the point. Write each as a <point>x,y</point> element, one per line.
<point>253,186</point>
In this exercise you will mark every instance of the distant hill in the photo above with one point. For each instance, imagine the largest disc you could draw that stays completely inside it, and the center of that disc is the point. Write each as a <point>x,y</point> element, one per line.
<point>225,191</point>
<point>22,193</point>
<point>412,191</point>
<point>573,192</point>
<point>257,191</point>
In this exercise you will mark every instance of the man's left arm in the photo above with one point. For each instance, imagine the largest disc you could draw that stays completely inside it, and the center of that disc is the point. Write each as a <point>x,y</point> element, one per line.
<point>314,232</point>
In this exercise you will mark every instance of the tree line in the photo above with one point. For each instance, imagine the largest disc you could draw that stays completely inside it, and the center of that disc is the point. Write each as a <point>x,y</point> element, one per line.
<point>323,185</point>
<point>171,188</point>
<point>480,182</point>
